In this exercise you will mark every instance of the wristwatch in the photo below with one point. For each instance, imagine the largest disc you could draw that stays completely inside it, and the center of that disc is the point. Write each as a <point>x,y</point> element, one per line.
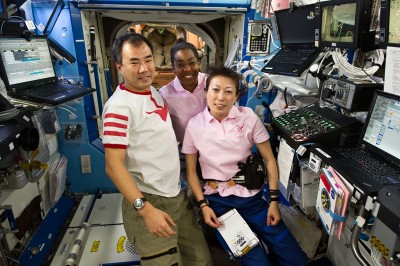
<point>138,204</point>
<point>202,201</point>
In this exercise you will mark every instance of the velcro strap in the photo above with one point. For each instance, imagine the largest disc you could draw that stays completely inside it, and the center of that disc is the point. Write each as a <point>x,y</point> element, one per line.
<point>338,217</point>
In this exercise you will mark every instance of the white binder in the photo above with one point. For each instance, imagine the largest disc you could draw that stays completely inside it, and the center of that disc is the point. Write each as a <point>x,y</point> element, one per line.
<point>237,233</point>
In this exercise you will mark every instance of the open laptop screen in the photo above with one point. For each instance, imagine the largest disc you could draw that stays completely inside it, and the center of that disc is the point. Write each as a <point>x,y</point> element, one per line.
<point>298,26</point>
<point>382,131</point>
<point>24,61</point>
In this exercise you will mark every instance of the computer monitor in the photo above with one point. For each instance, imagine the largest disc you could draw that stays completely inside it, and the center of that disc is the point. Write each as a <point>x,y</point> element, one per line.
<point>25,62</point>
<point>381,132</point>
<point>390,23</point>
<point>344,24</point>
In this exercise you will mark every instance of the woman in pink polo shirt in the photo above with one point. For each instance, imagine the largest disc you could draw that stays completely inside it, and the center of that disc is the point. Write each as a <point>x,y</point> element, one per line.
<point>223,135</point>
<point>184,96</point>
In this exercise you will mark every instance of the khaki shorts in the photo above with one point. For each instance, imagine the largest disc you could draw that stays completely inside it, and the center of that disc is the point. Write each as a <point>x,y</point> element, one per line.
<point>187,247</point>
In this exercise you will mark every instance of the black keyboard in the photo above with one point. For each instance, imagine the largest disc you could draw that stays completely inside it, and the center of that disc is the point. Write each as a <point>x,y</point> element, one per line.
<point>293,56</point>
<point>380,170</point>
<point>47,90</point>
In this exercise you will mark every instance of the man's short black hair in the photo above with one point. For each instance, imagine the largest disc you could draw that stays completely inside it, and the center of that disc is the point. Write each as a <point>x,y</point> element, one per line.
<point>131,38</point>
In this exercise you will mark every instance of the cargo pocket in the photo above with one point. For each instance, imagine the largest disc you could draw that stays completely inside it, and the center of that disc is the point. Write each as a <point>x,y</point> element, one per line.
<point>168,257</point>
<point>168,252</point>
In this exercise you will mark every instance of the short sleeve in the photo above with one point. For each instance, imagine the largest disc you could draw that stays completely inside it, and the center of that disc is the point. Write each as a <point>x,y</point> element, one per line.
<point>115,127</point>
<point>188,146</point>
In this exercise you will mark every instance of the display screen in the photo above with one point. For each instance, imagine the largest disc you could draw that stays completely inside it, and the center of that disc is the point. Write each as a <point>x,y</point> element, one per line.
<point>25,61</point>
<point>394,22</point>
<point>338,24</point>
<point>383,126</point>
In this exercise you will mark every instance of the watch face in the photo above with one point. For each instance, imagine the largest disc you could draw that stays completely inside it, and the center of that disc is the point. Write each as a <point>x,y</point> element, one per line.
<point>138,204</point>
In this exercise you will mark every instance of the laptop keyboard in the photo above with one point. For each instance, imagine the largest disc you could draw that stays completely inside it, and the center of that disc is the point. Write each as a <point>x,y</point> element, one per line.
<point>379,170</point>
<point>47,90</point>
<point>293,56</point>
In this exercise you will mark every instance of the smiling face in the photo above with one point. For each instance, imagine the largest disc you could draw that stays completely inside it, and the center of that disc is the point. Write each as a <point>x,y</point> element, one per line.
<point>186,67</point>
<point>221,95</point>
<point>137,68</point>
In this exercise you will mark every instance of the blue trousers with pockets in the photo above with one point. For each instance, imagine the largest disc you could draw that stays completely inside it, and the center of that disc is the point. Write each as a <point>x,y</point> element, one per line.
<point>282,246</point>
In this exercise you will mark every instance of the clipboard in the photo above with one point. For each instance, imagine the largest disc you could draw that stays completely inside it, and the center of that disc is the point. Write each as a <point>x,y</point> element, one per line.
<point>236,233</point>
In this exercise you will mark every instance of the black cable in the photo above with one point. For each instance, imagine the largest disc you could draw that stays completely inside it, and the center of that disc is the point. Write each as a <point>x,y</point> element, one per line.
<point>362,68</point>
<point>368,75</point>
<point>284,95</point>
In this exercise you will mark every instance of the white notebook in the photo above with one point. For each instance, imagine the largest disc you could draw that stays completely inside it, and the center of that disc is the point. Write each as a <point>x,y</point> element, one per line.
<point>237,233</point>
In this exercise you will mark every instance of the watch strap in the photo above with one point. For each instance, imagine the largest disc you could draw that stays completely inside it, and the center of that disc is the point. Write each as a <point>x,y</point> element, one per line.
<point>202,201</point>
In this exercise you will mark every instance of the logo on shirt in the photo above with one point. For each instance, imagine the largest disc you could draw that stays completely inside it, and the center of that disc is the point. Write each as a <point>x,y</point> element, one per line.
<point>238,129</point>
<point>162,111</point>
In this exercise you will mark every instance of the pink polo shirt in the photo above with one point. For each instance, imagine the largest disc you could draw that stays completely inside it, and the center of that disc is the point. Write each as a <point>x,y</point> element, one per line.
<point>222,145</point>
<point>183,105</point>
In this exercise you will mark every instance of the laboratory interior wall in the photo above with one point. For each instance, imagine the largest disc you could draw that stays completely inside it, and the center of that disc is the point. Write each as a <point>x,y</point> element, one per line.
<point>82,112</point>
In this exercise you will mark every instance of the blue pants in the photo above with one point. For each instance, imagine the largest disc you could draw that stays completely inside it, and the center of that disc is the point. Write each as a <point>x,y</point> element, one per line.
<point>283,247</point>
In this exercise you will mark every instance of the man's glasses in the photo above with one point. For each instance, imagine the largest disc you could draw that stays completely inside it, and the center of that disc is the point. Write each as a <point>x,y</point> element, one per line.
<point>190,64</point>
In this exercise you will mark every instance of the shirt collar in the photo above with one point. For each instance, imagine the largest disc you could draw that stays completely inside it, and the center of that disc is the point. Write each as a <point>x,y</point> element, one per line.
<point>177,85</point>
<point>233,113</point>
<point>122,87</point>
<point>200,81</point>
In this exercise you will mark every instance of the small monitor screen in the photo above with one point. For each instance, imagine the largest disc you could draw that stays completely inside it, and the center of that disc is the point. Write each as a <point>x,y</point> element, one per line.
<point>383,128</point>
<point>394,22</point>
<point>25,61</point>
<point>338,23</point>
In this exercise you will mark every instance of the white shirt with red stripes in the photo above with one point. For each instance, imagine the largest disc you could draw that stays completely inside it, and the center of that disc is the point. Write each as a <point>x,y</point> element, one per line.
<point>140,124</point>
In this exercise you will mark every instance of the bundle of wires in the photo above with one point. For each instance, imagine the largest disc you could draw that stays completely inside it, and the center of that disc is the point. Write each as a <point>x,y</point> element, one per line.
<point>341,62</point>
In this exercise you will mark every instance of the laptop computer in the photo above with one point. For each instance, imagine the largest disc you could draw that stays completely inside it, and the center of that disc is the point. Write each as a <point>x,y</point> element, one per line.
<point>28,72</point>
<point>378,146</point>
<point>296,29</point>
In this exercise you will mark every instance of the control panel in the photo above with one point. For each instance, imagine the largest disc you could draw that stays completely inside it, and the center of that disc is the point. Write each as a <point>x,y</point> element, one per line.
<point>312,124</point>
<point>351,95</point>
<point>258,37</point>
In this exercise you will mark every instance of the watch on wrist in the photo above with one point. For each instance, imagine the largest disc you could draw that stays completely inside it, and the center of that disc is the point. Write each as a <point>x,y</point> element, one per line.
<point>202,201</point>
<point>138,204</point>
